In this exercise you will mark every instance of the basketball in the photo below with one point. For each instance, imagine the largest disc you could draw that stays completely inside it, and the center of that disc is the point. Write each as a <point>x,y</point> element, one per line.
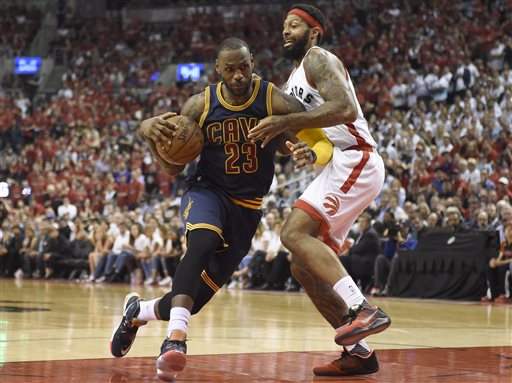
<point>186,144</point>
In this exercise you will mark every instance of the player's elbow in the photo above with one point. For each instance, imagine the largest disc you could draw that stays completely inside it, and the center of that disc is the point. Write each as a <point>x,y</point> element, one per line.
<point>352,116</point>
<point>347,114</point>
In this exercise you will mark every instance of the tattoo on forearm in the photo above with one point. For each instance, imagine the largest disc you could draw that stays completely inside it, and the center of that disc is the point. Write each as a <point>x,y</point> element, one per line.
<point>326,300</point>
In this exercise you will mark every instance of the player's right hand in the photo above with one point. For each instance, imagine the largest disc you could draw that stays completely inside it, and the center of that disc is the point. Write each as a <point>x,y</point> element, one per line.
<point>302,154</point>
<point>158,129</point>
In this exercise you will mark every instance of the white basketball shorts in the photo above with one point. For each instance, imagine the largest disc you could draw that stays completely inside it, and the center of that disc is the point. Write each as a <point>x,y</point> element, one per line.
<point>341,191</point>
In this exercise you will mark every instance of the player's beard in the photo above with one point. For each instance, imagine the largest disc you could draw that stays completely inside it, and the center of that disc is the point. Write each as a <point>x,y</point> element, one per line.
<point>242,91</point>
<point>298,49</point>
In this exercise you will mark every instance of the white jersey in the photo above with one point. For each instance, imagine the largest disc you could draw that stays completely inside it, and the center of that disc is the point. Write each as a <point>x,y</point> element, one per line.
<point>351,180</point>
<point>344,135</point>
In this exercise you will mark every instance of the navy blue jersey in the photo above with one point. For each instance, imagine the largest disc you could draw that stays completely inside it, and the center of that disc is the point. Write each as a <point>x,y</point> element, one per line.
<point>229,160</point>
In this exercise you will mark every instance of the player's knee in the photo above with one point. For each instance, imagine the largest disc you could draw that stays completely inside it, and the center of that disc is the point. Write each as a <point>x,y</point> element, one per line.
<point>289,237</point>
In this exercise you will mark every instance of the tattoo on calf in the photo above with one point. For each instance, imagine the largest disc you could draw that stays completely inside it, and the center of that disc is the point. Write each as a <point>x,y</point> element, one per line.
<point>326,300</point>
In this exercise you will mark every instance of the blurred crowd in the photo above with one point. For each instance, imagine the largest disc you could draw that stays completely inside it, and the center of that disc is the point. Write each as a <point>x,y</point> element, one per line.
<point>434,81</point>
<point>18,27</point>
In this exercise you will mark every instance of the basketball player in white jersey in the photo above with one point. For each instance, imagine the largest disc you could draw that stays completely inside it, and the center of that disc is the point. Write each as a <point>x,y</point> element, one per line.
<point>325,212</point>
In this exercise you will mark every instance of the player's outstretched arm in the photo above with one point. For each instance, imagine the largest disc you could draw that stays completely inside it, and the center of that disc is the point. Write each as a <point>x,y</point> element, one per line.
<point>282,103</point>
<point>318,145</point>
<point>328,75</point>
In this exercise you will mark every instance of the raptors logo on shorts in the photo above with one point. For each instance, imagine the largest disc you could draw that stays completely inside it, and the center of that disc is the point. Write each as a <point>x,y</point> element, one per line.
<point>331,204</point>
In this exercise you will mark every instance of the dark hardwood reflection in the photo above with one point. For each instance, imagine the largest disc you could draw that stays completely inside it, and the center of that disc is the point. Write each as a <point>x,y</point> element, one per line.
<point>479,364</point>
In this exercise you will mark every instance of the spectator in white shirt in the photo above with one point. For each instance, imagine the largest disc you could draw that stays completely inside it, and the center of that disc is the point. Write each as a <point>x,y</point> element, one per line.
<point>496,55</point>
<point>399,92</point>
<point>106,264</point>
<point>136,248</point>
<point>152,267</point>
<point>441,88</point>
<point>473,176</point>
<point>67,208</point>
<point>446,145</point>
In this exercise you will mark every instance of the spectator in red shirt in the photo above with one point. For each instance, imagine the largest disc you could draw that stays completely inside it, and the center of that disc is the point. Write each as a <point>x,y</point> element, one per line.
<point>122,189</point>
<point>136,190</point>
<point>503,190</point>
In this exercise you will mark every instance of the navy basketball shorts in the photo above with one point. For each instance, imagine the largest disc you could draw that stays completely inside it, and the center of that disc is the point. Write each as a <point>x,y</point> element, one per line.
<point>203,207</point>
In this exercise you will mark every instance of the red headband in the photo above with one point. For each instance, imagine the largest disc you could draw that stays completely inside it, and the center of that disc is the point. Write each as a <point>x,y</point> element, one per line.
<point>310,20</point>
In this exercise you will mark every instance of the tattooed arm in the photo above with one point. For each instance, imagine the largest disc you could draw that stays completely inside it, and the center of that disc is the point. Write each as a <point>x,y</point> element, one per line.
<point>328,75</point>
<point>194,107</point>
<point>315,148</point>
<point>283,103</point>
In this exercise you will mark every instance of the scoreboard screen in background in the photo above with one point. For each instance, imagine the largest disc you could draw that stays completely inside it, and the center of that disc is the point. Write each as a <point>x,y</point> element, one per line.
<point>27,65</point>
<point>189,72</point>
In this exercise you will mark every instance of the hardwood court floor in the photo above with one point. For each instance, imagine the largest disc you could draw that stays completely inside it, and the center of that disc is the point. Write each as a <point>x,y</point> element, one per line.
<point>60,331</point>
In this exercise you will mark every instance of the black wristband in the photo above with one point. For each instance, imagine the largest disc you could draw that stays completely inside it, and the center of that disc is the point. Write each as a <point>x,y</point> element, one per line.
<point>313,156</point>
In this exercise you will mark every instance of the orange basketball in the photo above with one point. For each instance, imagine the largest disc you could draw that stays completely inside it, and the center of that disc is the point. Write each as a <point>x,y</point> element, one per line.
<point>186,144</point>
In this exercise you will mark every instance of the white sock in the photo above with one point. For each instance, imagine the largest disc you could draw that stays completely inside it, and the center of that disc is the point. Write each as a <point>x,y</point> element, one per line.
<point>348,291</point>
<point>147,310</point>
<point>180,317</point>
<point>361,343</point>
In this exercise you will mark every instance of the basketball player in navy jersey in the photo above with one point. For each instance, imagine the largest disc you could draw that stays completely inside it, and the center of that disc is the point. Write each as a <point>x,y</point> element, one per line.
<point>221,206</point>
<point>324,213</point>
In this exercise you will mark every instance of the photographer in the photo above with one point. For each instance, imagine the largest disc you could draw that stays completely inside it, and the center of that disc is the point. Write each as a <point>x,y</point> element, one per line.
<point>497,269</point>
<point>397,237</point>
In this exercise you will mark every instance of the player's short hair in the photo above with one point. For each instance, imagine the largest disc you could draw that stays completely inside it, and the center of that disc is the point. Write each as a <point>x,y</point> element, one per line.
<point>316,14</point>
<point>231,44</point>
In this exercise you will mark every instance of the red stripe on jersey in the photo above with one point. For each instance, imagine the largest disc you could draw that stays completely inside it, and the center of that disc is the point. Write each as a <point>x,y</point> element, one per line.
<point>356,172</point>
<point>311,83</point>
<point>352,129</point>
<point>324,226</point>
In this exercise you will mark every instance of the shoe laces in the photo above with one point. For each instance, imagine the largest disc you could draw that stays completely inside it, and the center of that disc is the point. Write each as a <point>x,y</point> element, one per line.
<point>178,345</point>
<point>343,355</point>
<point>131,315</point>
<point>352,313</point>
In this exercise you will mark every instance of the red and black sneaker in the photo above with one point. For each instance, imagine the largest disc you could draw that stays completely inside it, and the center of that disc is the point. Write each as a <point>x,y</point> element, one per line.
<point>349,364</point>
<point>124,335</point>
<point>364,320</point>
<point>172,359</point>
